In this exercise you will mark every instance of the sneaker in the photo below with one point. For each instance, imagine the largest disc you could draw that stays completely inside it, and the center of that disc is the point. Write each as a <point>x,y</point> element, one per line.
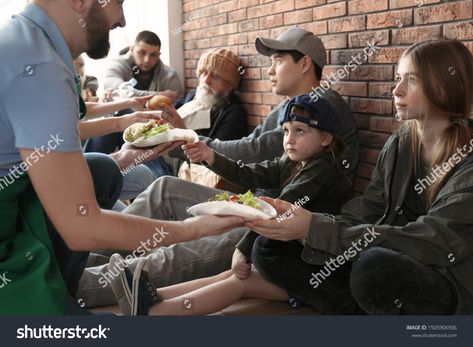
<point>135,294</point>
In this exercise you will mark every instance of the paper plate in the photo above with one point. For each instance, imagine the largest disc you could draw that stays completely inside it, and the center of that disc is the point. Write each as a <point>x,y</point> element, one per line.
<point>227,208</point>
<point>169,136</point>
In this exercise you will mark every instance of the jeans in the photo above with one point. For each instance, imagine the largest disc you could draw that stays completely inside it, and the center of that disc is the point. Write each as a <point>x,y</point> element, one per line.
<point>166,199</point>
<point>160,168</point>
<point>107,183</point>
<point>380,281</point>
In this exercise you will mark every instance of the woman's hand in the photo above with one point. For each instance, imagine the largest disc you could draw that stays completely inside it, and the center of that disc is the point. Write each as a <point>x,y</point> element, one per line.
<point>240,268</point>
<point>171,116</point>
<point>208,225</point>
<point>199,152</point>
<point>294,227</point>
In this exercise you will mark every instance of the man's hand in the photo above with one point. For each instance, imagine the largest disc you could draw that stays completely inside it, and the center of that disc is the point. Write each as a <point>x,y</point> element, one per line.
<point>171,116</point>
<point>139,103</point>
<point>126,156</point>
<point>199,152</point>
<point>295,227</point>
<point>208,225</point>
<point>240,268</point>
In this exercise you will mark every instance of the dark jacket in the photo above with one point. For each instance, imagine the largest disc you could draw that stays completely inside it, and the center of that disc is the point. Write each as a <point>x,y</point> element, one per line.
<point>228,119</point>
<point>443,238</point>
<point>319,181</point>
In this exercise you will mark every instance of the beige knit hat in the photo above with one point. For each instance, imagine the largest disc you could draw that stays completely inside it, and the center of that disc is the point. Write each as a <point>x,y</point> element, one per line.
<point>222,62</point>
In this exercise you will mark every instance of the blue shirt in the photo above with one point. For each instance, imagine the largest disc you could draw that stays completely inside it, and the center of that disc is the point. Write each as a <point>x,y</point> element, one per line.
<point>39,106</point>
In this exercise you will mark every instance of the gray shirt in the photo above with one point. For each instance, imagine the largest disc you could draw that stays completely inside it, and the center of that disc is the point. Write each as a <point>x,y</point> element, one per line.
<point>120,69</point>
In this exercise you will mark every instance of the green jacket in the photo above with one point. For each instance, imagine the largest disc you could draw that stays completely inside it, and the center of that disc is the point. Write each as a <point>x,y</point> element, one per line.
<point>325,186</point>
<point>443,238</point>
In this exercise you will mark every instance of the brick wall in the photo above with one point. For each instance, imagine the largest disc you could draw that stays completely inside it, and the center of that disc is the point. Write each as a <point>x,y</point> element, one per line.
<point>345,28</point>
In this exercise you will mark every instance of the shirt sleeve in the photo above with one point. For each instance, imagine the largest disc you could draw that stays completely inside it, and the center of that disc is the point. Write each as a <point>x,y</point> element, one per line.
<point>43,109</point>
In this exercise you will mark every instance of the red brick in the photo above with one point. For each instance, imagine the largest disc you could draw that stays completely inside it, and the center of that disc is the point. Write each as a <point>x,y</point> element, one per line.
<point>251,73</point>
<point>318,28</point>
<point>362,39</point>
<point>369,155</point>
<point>251,98</point>
<point>271,8</point>
<point>334,41</point>
<point>236,39</point>
<point>443,13</point>
<point>416,34</point>
<point>297,17</point>
<point>248,25</point>
<point>410,3</point>
<point>376,106</point>
<point>371,139</point>
<point>258,110</point>
<point>362,120</point>
<point>363,6</point>
<point>254,121</point>
<point>308,3</point>
<point>346,24</point>
<point>389,19</point>
<point>387,55</point>
<point>365,170</point>
<point>384,124</point>
<point>273,99</point>
<point>271,21</point>
<point>236,16</point>
<point>256,86</point>
<point>227,6</point>
<point>372,73</point>
<point>351,88</point>
<point>247,3</point>
<point>459,31</point>
<point>259,33</point>
<point>329,11</point>
<point>381,89</point>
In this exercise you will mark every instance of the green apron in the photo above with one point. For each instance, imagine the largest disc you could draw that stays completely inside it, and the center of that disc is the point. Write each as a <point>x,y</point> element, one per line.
<point>30,279</point>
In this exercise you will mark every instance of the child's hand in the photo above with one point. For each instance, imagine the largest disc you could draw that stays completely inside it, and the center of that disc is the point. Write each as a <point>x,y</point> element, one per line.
<point>199,152</point>
<point>240,267</point>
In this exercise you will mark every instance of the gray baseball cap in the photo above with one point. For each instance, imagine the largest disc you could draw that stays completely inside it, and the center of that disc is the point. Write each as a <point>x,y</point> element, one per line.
<point>295,39</point>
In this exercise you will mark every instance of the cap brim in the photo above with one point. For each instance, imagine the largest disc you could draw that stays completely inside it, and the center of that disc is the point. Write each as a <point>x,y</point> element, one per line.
<point>268,46</point>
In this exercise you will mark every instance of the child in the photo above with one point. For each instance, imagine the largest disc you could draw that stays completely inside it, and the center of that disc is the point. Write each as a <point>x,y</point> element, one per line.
<point>308,171</point>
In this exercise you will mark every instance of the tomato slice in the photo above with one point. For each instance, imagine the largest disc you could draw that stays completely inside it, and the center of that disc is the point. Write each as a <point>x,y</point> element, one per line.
<point>234,198</point>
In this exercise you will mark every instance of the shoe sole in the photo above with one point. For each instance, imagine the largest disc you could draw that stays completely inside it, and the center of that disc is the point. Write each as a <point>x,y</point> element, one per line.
<point>122,290</point>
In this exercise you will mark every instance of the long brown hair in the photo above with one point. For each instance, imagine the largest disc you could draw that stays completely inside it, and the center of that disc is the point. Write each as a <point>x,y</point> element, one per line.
<point>445,70</point>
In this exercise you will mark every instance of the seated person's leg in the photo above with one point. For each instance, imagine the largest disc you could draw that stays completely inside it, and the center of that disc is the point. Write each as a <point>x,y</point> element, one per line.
<point>136,181</point>
<point>384,281</point>
<point>167,198</point>
<point>280,263</point>
<point>107,183</point>
<point>160,168</point>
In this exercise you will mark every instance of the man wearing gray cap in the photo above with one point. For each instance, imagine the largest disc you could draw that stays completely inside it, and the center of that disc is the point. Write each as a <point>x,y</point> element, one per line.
<point>297,60</point>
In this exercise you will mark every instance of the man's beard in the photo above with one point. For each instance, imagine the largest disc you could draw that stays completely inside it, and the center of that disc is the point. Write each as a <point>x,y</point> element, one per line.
<point>98,41</point>
<point>206,95</point>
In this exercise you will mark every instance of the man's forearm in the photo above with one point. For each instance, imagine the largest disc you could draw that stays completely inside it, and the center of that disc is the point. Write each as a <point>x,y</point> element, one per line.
<point>95,109</point>
<point>98,127</point>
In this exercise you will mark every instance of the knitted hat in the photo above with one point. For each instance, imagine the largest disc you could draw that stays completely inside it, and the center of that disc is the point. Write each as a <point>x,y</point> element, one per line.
<point>222,62</point>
